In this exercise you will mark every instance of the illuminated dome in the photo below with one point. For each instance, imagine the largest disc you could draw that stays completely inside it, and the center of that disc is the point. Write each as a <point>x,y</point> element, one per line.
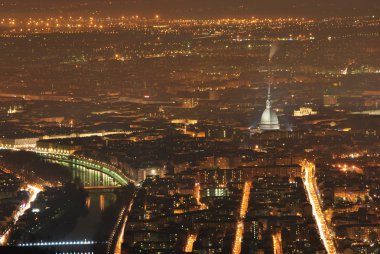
<point>269,119</point>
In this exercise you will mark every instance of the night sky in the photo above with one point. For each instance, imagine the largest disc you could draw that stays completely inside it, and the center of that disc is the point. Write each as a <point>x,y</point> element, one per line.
<point>193,8</point>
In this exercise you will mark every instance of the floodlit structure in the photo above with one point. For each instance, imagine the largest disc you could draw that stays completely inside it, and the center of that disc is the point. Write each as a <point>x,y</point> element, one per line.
<point>269,119</point>
<point>304,111</point>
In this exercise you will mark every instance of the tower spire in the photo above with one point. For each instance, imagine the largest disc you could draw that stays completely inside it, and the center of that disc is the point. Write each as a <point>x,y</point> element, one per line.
<point>268,99</point>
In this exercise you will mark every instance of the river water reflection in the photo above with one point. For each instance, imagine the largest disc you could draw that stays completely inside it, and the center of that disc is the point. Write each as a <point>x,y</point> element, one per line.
<point>91,225</point>
<point>91,221</point>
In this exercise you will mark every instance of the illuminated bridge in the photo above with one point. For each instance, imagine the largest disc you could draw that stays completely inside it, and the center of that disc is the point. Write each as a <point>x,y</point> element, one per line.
<point>63,247</point>
<point>72,160</point>
<point>62,243</point>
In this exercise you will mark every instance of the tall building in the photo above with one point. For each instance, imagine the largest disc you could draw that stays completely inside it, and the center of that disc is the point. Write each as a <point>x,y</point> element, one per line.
<point>269,119</point>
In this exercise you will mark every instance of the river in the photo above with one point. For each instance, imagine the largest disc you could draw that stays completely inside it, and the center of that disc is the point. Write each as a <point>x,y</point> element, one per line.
<point>91,221</point>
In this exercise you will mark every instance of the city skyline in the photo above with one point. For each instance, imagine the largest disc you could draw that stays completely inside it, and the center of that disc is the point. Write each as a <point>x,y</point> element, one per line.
<point>173,126</point>
<point>189,9</point>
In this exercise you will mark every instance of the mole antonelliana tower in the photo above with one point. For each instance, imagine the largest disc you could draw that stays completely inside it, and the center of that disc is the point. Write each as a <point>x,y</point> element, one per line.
<point>269,119</point>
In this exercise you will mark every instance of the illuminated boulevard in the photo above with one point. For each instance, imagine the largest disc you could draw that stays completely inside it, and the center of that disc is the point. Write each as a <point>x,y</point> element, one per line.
<point>243,211</point>
<point>33,191</point>
<point>190,243</point>
<point>308,169</point>
<point>277,242</point>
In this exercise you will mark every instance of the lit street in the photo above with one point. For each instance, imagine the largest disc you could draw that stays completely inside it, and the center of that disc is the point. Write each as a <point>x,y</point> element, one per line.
<point>243,211</point>
<point>174,126</point>
<point>33,191</point>
<point>323,228</point>
<point>277,243</point>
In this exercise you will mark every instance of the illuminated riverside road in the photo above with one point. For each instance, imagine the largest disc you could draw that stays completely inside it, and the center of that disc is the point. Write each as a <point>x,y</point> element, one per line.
<point>243,211</point>
<point>105,168</point>
<point>308,169</point>
<point>70,159</point>
<point>112,237</point>
<point>120,238</point>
